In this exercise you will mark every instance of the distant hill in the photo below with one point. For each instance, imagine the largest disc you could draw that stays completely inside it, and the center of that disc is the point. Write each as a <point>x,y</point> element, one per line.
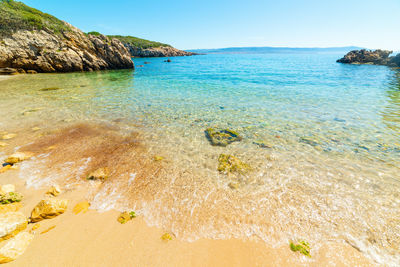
<point>267,50</point>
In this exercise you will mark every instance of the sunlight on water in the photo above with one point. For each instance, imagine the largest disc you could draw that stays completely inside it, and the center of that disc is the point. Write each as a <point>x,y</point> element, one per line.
<point>329,168</point>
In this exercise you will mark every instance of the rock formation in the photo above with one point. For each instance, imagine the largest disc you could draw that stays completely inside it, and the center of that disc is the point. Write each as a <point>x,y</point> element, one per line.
<point>47,44</point>
<point>162,51</point>
<point>377,57</point>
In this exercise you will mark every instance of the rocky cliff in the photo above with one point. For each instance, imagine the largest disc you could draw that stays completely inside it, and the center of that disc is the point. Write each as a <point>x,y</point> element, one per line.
<point>162,51</point>
<point>377,57</point>
<point>144,48</point>
<point>32,40</point>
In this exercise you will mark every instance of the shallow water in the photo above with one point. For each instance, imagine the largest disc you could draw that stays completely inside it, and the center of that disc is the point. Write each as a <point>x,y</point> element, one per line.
<point>331,172</point>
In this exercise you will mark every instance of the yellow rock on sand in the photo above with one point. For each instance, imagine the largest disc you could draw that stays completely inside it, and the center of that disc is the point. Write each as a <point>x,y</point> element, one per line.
<point>18,157</point>
<point>11,223</point>
<point>48,208</point>
<point>81,207</point>
<point>15,247</point>
<point>35,129</point>
<point>12,207</point>
<point>2,144</point>
<point>99,174</point>
<point>8,136</point>
<point>54,191</point>
<point>7,188</point>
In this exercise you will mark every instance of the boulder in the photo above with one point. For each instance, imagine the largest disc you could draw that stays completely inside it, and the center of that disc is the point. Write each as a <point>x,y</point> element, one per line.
<point>18,157</point>
<point>11,223</point>
<point>228,164</point>
<point>8,136</point>
<point>15,247</point>
<point>222,137</point>
<point>48,208</point>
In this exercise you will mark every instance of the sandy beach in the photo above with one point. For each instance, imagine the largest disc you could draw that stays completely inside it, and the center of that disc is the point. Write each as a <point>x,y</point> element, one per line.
<point>98,239</point>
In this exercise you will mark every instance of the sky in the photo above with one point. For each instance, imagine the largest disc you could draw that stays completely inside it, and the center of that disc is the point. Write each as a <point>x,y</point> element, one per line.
<point>195,24</point>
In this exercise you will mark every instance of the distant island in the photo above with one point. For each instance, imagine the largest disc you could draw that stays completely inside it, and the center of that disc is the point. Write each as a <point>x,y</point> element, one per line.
<point>33,41</point>
<point>269,49</point>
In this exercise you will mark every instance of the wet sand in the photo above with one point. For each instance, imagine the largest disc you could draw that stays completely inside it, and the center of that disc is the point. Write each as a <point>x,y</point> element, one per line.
<point>97,239</point>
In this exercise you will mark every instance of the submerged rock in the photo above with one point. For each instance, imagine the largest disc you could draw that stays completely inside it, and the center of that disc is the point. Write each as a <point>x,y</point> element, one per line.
<point>11,223</point>
<point>15,247</point>
<point>99,174</point>
<point>18,157</point>
<point>48,208</point>
<point>308,141</point>
<point>228,164</point>
<point>262,144</point>
<point>222,137</point>
<point>8,136</point>
<point>234,185</point>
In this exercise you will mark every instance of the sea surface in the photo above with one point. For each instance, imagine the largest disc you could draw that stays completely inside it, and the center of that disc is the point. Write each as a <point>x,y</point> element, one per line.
<point>322,140</point>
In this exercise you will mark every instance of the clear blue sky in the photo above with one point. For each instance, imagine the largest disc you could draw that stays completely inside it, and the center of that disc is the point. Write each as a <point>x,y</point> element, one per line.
<point>227,23</point>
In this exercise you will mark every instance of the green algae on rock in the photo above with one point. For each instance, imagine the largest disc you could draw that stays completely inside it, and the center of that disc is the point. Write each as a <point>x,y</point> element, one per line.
<point>124,217</point>
<point>222,137</point>
<point>228,164</point>
<point>302,246</point>
<point>10,197</point>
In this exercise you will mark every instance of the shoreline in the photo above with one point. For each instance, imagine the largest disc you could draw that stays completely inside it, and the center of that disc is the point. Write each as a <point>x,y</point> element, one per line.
<point>96,238</point>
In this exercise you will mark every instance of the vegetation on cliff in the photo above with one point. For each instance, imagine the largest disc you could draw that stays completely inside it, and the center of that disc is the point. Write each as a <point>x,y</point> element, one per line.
<point>138,42</point>
<point>15,16</point>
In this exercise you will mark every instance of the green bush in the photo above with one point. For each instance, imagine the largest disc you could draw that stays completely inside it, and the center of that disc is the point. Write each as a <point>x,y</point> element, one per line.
<point>138,42</point>
<point>15,16</point>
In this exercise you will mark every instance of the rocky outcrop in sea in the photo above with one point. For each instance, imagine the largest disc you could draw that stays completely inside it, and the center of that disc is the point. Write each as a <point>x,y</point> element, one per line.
<point>62,52</point>
<point>376,57</point>
<point>162,51</point>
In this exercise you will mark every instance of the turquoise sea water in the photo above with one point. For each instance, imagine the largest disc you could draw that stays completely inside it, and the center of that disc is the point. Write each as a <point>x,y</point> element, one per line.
<point>330,172</point>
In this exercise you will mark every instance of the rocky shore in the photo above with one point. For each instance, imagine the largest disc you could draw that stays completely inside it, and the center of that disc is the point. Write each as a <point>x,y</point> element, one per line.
<point>376,57</point>
<point>162,51</point>
<point>52,45</point>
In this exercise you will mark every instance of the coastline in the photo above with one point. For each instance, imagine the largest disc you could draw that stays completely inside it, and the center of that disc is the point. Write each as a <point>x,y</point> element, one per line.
<point>94,239</point>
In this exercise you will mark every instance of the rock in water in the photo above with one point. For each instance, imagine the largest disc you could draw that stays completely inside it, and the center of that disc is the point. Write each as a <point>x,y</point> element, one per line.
<point>228,164</point>
<point>11,223</point>
<point>377,57</point>
<point>48,208</point>
<point>18,157</point>
<point>99,174</point>
<point>222,137</point>
<point>38,42</point>
<point>15,247</point>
